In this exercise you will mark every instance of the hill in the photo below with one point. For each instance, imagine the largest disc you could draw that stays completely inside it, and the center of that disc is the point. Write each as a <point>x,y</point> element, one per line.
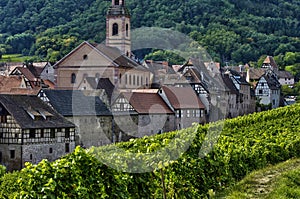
<point>276,181</point>
<point>190,163</point>
<point>231,30</point>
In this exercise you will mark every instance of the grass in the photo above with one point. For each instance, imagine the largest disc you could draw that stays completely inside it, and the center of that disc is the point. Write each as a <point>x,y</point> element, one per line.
<point>279,181</point>
<point>15,58</point>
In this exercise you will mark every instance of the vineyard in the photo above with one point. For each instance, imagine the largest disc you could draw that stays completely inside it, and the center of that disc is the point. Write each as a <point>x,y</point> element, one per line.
<point>190,163</point>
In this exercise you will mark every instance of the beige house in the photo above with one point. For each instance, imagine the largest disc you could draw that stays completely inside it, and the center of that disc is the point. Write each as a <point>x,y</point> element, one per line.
<point>100,61</point>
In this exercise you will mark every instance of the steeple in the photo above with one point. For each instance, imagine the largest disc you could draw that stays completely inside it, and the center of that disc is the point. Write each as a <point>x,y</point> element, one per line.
<point>118,27</point>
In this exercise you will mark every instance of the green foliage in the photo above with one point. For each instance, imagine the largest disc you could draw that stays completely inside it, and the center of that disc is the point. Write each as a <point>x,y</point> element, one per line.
<point>231,30</point>
<point>287,186</point>
<point>245,144</point>
<point>161,55</point>
<point>2,170</point>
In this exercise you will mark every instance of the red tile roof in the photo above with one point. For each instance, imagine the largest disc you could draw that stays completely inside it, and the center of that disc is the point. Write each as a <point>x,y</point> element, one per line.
<point>183,97</point>
<point>270,60</point>
<point>147,103</point>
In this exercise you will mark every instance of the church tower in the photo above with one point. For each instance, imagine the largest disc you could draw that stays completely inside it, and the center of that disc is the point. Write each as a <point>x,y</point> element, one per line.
<point>118,27</point>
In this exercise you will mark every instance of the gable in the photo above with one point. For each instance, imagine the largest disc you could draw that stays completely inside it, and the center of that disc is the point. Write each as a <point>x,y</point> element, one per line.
<point>84,55</point>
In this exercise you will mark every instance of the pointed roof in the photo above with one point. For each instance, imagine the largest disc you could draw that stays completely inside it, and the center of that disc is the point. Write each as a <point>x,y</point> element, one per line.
<point>25,108</point>
<point>270,61</point>
<point>182,97</point>
<point>147,103</point>
<point>75,103</point>
<point>111,54</point>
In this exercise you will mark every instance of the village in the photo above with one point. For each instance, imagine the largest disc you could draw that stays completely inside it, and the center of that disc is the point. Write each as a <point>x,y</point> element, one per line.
<point>98,94</point>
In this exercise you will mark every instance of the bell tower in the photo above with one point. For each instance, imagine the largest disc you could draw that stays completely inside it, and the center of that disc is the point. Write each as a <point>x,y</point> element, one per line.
<point>118,27</point>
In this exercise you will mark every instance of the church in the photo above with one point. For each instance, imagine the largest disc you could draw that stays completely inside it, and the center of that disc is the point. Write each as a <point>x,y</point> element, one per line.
<point>112,60</point>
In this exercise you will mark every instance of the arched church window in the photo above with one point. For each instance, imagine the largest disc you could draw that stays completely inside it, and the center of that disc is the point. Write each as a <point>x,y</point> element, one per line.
<point>115,29</point>
<point>73,78</point>
<point>127,29</point>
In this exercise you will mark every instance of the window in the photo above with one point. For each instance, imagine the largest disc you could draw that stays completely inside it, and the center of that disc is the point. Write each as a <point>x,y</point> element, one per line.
<point>115,29</point>
<point>178,113</point>
<point>117,2</point>
<point>129,79</point>
<point>32,133</point>
<point>85,57</point>
<point>127,30</point>
<point>0,157</point>
<point>73,78</point>
<point>1,135</point>
<point>197,113</point>
<point>12,154</point>
<point>30,156</point>
<point>3,119</point>
<point>260,91</point>
<point>52,133</point>
<point>133,79</point>
<point>67,147</point>
<point>50,150</point>
<point>120,78</point>
<point>67,133</point>
<point>42,133</point>
<point>188,113</point>
<point>137,80</point>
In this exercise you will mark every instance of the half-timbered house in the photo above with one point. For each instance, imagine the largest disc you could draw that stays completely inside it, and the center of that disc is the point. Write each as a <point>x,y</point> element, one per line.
<point>30,131</point>
<point>91,116</point>
<point>268,90</point>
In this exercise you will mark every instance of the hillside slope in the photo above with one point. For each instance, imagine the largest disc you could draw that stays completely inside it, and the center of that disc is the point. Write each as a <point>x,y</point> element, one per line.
<point>231,30</point>
<point>190,163</point>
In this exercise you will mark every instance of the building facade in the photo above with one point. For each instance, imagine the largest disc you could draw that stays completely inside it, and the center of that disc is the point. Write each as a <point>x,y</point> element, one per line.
<point>31,131</point>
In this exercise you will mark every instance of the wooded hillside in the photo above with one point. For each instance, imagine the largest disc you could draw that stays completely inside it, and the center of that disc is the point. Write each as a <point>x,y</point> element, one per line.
<point>231,30</point>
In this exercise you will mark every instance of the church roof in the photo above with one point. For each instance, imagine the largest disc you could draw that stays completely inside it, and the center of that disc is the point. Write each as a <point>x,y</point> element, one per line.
<point>112,54</point>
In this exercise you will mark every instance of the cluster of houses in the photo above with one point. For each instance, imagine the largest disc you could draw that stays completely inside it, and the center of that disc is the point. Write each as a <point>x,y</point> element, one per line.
<point>97,95</point>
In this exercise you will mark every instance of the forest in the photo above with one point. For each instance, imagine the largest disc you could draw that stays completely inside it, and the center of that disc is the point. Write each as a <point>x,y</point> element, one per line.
<point>231,31</point>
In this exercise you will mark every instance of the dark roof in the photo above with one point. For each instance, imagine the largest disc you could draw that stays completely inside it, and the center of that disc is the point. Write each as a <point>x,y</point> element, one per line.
<point>103,83</point>
<point>272,81</point>
<point>183,97</point>
<point>154,66</point>
<point>147,103</point>
<point>24,71</point>
<point>75,103</point>
<point>285,74</point>
<point>25,109</point>
<point>229,84</point>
